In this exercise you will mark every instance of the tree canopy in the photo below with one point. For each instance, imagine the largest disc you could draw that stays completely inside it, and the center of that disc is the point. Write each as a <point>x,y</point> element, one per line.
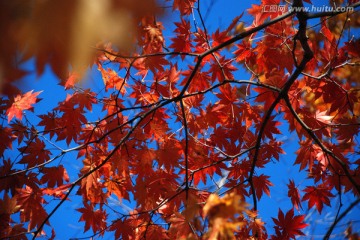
<point>169,125</point>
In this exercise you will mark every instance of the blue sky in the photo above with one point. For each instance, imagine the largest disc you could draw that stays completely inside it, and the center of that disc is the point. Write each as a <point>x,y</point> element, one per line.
<point>65,220</point>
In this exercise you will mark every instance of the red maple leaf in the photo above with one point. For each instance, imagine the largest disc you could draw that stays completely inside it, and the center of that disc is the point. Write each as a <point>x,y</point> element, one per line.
<point>123,229</point>
<point>288,226</point>
<point>34,153</point>
<point>219,37</point>
<point>261,12</point>
<point>8,205</point>
<point>271,128</point>
<point>118,187</point>
<point>21,103</point>
<point>85,99</point>
<point>294,194</point>
<point>93,218</point>
<point>222,69</point>
<point>71,81</point>
<point>71,121</point>
<point>243,51</point>
<point>306,154</point>
<point>31,202</point>
<point>6,137</point>
<point>54,176</point>
<point>317,196</point>
<point>261,184</point>
<point>112,80</point>
<point>58,192</point>
<point>182,43</point>
<point>200,81</point>
<point>185,7</point>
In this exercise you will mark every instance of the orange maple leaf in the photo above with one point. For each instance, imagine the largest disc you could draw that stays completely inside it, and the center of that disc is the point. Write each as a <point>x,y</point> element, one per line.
<point>21,103</point>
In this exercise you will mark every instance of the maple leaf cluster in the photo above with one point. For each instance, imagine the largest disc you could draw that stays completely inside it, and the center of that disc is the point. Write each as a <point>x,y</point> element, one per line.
<point>187,124</point>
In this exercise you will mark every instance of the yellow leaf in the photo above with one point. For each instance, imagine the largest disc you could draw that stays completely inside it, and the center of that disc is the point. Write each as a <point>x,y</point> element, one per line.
<point>223,214</point>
